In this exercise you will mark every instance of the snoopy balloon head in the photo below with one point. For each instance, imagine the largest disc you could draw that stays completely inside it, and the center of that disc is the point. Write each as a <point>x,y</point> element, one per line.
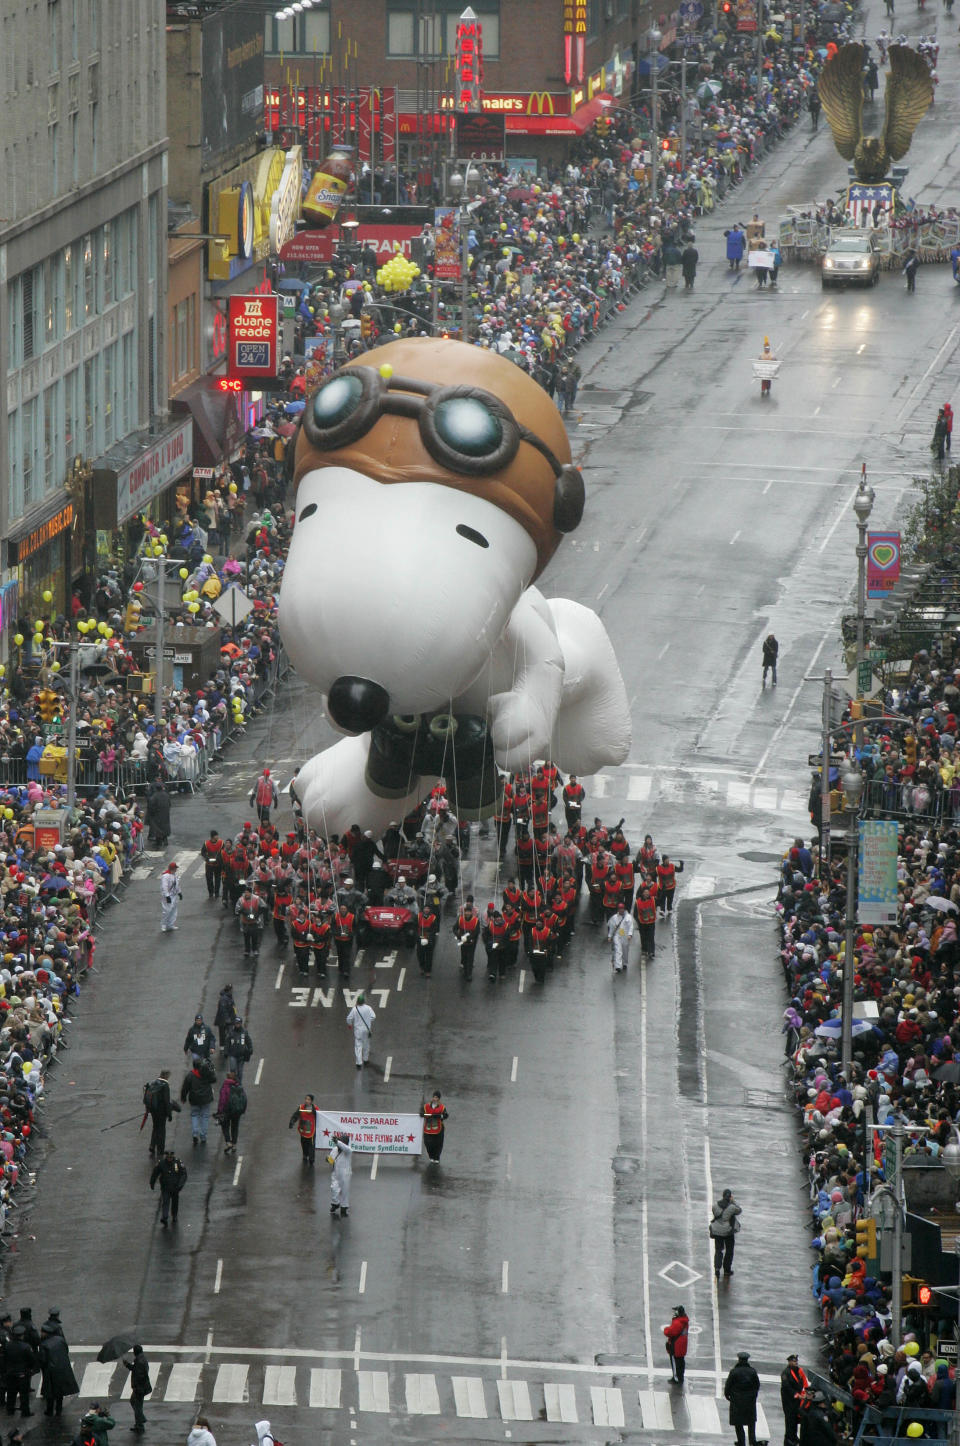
<point>434,482</point>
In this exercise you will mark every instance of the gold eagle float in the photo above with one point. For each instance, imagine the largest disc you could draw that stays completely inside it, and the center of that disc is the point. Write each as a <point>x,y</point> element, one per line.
<point>908,94</point>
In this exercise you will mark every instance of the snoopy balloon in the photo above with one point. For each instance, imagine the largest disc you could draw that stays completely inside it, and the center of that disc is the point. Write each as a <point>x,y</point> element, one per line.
<point>433,485</point>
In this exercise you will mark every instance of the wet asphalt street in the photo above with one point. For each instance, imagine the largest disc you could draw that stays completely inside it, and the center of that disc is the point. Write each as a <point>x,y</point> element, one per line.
<point>518,1291</point>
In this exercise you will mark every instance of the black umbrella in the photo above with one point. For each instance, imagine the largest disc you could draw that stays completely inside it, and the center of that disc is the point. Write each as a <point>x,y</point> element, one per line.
<point>116,1347</point>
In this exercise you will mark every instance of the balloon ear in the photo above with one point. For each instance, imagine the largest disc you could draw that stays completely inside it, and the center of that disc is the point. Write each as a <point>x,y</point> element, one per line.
<point>569,496</point>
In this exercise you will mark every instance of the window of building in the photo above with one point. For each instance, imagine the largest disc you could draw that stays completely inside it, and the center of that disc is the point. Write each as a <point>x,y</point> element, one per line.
<point>52,432</point>
<point>71,413</point>
<point>95,135</point>
<point>53,135</point>
<point>14,465</point>
<point>128,386</point>
<point>71,284</point>
<point>109,408</point>
<point>90,407</point>
<point>15,314</point>
<point>89,279</point>
<point>53,299</point>
<point>109,264</point>
<point>28,450</point>
<point>30,288</point>
<point>152,238</point>
<point>593,19</point>
<point>74,29</point>
<point>490,29</point>
<point>75,149</point>
<point>53,38</point>
<point>307,34</point>
<point>94,20</point>
<point>400,32</point>
<point>132,233</point>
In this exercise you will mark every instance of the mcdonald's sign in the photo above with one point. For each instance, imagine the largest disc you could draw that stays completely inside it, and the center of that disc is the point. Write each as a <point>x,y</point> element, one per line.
<point>540,102</point>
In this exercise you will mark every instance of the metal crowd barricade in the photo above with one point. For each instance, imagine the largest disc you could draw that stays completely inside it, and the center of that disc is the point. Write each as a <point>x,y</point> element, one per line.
<point>903,801</point>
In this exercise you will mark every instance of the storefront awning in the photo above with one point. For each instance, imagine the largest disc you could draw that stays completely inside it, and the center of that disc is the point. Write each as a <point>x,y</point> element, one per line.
<point>560,125</point>
<point>217,429</point>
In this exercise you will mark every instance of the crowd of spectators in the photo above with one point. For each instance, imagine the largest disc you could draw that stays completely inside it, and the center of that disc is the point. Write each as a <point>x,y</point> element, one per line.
<point>906,1045</point>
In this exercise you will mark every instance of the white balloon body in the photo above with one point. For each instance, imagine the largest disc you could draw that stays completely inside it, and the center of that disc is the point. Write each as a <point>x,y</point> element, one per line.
<point>380,584</point>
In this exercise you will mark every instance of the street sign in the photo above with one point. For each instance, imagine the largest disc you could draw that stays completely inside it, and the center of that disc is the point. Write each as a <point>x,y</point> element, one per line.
<point>814,760</point>
<point>151,650</point>
<point>233,606</point>
<point>864,678</point>
<point>875,655</point>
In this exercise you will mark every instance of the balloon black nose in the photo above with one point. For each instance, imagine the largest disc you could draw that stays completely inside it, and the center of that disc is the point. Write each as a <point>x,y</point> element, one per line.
<point>356,704</point>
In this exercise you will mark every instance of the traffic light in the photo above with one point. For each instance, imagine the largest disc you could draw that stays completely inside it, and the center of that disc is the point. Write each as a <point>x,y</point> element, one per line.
<point>924,1294</point>
<point>867,1238</point>
<point>48,703</point>
<point>910,749</point>
<point>131,619</point>
<point>366,325</point>
<point>727,7</point>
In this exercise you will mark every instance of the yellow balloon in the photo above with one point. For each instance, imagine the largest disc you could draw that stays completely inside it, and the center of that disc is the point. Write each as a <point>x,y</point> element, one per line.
<point>54,668</point>
<point>47,595</point>
<point>914,1430</point>
<point>101,628</point>
<point>207,558</point>
<point>386,371</point>
<point>503,225</point>
<point>18,639</point>
<point>8,813</point>
<point>38,626</point>
<point>3,670</point>
<point>911,1349</point>
<point>194,607</point>
<point>576,238</point>
<point>233,488</point>
<point>184,573</point>
<point>163,538</point>
<point>108,634</point>
<point>38,640</point>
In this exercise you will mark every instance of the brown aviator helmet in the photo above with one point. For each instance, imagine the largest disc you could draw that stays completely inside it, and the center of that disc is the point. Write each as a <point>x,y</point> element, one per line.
<point>428,409</point>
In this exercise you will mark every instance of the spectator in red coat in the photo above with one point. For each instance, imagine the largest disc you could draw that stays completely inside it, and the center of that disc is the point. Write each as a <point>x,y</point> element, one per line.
<point>677,1333</point>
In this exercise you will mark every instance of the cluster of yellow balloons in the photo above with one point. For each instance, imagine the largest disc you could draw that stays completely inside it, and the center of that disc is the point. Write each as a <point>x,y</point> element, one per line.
<point>236,707</point>
<point>191,599</point>
<point>156,546</point>
<point>91,627</point>
<point>398,274</point>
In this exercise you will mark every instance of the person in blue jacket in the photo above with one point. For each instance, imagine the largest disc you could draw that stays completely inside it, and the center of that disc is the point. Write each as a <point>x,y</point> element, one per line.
<point>736,245</point>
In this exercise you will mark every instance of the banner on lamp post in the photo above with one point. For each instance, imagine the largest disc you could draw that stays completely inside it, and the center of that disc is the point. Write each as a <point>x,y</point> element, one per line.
<point>447,248</point>
<point>877,871</point>
<point>883,562</point>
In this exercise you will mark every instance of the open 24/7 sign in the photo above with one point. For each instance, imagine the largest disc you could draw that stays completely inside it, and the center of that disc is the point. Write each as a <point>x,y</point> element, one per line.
<point>254,336</point>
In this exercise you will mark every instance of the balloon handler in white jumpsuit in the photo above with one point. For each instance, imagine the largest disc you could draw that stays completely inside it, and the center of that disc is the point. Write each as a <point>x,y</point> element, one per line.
<point>360,1020</point>
<point>619,932</point>
<point>340,1157</point>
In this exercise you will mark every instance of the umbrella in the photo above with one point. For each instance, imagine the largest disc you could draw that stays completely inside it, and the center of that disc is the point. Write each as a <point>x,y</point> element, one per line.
<point>948,1073</point>
<point>709,89</point>
<point>116,1347</point>
<point>942,906</point>
<point>831,1028</point>
<point>293,409</point>
<point>293,283</point>
<point>287,429</point>
<point>519,193</point>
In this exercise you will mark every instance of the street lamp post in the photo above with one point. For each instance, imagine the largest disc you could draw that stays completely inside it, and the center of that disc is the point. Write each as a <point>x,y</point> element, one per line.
<point>459,183</point>
<point>654,39</point>
<point>862,506</point>
<point>853,790</point>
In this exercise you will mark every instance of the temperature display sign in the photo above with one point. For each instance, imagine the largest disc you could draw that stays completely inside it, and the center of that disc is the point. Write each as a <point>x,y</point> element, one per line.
<point>254,336</point>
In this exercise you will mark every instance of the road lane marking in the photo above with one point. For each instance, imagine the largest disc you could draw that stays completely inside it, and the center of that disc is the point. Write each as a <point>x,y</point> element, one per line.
<point>835,383</point>
<point>386,1069</point>
<point>703,1414</point>
<point>280,1386</point>
<point>231,1384</point>
<point>714,1300</point>
<point>765,490</point>
<point>602,591</point>
<point>356,1348</point>
<point>362,1288</point>
<point>279,976</point>
<point>236,1173</point>
<point>560,1402</point>
<point>373,1391</point>
<point>861,347</point>
<point>256,1078</point>
<point>663,652</point>
<point>182,1382</point>
<point>401,977</point>
<point>513,1069</point>
<point>520,982</point>
<point>606,1403</point>
<point>735,536</point>
<point>816,411</point>
<point>374,1167</point>
<point>423,1398</point>
<point>644,1222</point>
<point>515,1402</point>
<point>218,1279</point>
<point>655,1410</point>
<point>505,1278</point>
<point>96,1379</point>
<point>325,1388</point>
<point>468,1397</point>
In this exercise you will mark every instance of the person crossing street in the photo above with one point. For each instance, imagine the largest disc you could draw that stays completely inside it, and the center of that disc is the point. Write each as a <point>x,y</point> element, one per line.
<point>170,897</point>
<point>172,1175</point>
<point>619,932</point>
<point>212,854</point>
<point>341,1162</point>
<point>231,1106</point>
<point>264,795</point>
<point>305,1119</point>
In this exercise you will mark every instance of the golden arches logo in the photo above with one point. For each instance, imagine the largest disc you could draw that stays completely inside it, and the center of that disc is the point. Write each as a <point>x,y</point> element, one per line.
<point>540,102</point>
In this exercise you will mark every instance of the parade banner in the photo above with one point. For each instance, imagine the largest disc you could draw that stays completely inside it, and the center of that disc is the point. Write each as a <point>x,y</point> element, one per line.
<point>315,357</point>
<point>372,1134</point>
<point>877,877</point>
<point>446,256</point>
<point>883,562</point>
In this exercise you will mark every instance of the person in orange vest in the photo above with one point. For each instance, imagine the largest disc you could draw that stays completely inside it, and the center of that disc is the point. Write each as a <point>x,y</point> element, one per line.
<point>264,795</point>
<point>322,931</point>
<point>647,859</point>
<point>793,1383</point>
<point>212,866</point>
<point>428,926</point>
<point>573,796</point>
<point>300,932</point>
<point>645,912</point>
<point>600,869</point>
<point>305,1119</point>
<point>512,894</point>
<point>521,802</point>
<point>525,856</point>
<point>494,933</point>
<point>467,933</point>
<point>282,899</point>
<point>618,845</point>
<point>540,947</point>
<point>513,921</point>
<point>531,904</point>
<point>290,847</point>
<point>611,894</point>
<point>624,874</point>
<point>503,816</point>
<point>552,774</point>
<point>666,885</point>
<point>343,931</point>
<point>434,1115</point>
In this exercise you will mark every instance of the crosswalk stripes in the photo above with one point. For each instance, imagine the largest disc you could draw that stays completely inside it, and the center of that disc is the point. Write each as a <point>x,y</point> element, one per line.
<point>679,785</point>
<point>423,1393</point>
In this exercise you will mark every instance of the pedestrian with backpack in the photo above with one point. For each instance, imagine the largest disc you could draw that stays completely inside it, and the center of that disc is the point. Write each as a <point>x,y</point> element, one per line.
<point>231,1105</point>
<point>172,1174</point>
<point>197,1092</point>
<point>239,1047</point>
<point>94,1425</point>
<point>158,1104</point>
